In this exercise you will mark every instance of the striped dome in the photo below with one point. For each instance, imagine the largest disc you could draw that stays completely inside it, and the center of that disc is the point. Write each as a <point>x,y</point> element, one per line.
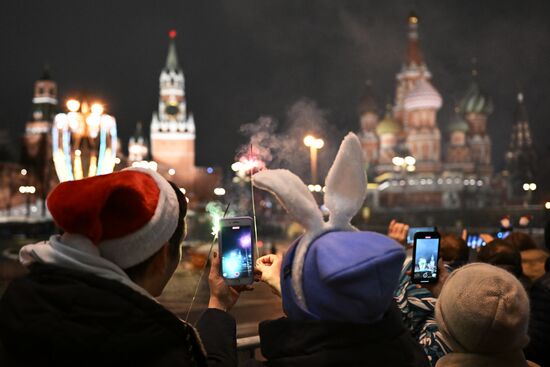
<point>476,101</point>
<point>422,96</point>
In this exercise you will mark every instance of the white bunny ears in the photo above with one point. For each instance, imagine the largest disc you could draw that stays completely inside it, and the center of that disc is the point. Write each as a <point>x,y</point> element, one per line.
<point>345,192</point>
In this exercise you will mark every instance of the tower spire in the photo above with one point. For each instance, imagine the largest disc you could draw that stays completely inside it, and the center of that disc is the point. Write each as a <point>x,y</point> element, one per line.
<point>172,58</point>
<point>414,55</point>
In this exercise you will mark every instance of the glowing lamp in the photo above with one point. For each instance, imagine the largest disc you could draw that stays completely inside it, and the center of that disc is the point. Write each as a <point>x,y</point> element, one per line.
<point>84,141</point>
<point>97,109</point>
<point>172,34</point>
<point>398,161</point>
<point>410,160</point>
<point>219,191</point>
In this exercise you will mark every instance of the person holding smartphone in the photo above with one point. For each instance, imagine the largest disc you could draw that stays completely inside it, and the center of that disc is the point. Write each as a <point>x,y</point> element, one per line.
<point>88,298</point>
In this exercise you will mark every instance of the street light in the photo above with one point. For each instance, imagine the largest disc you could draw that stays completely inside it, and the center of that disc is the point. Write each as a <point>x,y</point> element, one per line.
<point>84,141</point>
<point>27,191</point>
<point>314,145</point>
<point>404,163</point>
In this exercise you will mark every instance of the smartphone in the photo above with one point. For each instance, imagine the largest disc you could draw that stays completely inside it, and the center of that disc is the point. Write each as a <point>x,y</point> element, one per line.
<point>425,256</point>
<point>474,240</point>
<point>236,245</point>
<point>503,234</point>
<point>413,230</point>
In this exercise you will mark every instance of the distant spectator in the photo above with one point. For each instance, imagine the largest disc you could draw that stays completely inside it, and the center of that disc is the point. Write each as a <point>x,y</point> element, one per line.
<point>532,262</point>
<point>454,250</point>
<point>483,312</point>
<point>539,322</point>
<point>532,256</point>
<point>522,241</point>
<point>502,254</point>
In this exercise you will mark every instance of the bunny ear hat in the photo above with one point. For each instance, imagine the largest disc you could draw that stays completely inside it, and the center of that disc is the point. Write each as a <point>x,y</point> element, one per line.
<point>334,271</point>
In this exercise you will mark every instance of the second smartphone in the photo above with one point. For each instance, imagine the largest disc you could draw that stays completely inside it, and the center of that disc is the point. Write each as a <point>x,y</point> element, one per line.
<point>236,244</point>
<point>425,257</point>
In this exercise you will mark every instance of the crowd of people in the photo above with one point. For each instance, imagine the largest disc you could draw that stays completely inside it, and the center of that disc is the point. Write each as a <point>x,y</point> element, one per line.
<point>347,295</point>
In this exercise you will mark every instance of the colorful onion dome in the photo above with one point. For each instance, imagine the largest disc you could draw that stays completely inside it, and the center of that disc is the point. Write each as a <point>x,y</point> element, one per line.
<point>388,125</point>
<point>476,101</point>
<point>422,96</point>
<point>457,123</point>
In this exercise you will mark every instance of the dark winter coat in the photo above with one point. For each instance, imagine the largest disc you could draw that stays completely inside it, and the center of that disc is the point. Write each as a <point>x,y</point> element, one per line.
<point>538,349</point>
<point>325,343</point>
<point>55,316</point>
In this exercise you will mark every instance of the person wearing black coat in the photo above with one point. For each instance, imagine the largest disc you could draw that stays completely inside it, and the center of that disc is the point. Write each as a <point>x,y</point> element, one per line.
<point>539,323</point>
<point>288,343</point>
<point>88,299</point>
<point>56,316</point>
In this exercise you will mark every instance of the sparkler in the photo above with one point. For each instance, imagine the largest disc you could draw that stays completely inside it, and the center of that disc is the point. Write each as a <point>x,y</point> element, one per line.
<point>215,224</point>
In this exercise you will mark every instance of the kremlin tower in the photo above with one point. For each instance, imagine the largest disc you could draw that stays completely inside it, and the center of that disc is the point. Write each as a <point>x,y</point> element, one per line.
<point>520,157</point>
<point>172,128</point>
<point>36,154</point>
<point>137,146</point>
<point>172,134</point>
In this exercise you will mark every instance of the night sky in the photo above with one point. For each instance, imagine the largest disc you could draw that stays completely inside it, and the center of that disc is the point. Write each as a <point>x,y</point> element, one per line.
<point>246,59</point>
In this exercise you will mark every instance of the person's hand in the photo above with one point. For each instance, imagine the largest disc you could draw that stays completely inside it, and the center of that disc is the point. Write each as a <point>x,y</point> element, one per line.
<point>486,237</point>
<point>436,288</point>
<point>398,231</point>
<point>268,270</point>
<point>222,296</point>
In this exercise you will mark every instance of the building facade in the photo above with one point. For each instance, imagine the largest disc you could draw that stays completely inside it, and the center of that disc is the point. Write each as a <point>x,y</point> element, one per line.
<point>411,159</point>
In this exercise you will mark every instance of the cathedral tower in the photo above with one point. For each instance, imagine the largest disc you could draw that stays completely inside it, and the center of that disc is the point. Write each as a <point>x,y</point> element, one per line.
<point>413,69</point>
<point>476,105</point>
<point>368,119</point>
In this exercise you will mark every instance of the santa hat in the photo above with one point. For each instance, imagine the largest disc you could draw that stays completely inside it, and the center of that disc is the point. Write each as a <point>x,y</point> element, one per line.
<point>129,215</point>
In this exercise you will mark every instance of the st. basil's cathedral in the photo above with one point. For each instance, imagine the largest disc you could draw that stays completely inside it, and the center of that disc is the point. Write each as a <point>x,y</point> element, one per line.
<point>415,164</point>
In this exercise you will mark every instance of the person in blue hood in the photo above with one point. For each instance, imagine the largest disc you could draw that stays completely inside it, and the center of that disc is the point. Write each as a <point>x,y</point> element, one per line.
<point>336,283</point>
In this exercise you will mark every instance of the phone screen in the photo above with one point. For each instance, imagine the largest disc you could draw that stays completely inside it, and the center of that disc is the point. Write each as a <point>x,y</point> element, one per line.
<point>425,258</point>
<point>236,244</point>
<point>475,241</point>
<point>413,230</point>
<point>503,234</point>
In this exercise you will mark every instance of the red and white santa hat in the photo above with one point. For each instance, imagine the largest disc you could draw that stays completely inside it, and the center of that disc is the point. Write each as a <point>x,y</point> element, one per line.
<point>129,215</point>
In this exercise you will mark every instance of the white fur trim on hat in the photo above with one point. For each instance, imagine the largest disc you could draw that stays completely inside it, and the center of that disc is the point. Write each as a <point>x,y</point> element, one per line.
<point>136,247</point>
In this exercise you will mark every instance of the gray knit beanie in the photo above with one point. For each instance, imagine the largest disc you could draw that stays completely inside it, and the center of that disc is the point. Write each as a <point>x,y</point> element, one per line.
<point>483,309</point>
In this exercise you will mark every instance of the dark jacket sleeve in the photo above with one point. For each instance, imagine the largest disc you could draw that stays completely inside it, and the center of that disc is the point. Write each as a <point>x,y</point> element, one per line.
<point>218,332</point>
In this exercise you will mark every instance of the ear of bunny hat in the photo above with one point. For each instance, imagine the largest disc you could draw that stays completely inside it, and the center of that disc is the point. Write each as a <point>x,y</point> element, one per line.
<point>334,272</point>
<point>346,183</point>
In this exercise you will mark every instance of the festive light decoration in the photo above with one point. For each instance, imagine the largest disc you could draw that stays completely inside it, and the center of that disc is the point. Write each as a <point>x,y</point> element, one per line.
<point>84,141</point>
